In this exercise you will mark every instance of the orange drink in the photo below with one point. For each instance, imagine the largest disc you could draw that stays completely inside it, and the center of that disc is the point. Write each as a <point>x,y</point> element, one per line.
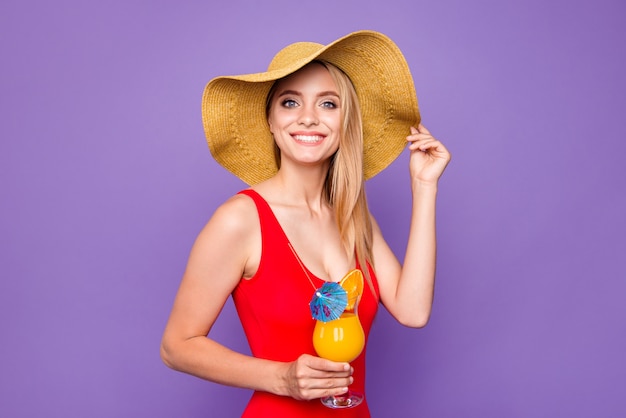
<point>341,339</point>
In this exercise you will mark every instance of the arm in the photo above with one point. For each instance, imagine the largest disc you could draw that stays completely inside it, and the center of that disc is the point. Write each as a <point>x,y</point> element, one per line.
<point>227,249</point>
<point>407,291</point>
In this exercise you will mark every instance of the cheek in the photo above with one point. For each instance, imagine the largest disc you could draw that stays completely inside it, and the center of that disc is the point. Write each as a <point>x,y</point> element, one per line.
<point>333,121</point>
<point>280,119</point>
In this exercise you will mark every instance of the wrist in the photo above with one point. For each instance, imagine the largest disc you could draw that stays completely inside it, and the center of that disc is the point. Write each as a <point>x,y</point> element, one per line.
<point>419,186</point>
<point>280,381</point>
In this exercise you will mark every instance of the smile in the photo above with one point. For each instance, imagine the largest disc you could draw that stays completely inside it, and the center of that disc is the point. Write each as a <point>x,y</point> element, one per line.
<point>308,139</point>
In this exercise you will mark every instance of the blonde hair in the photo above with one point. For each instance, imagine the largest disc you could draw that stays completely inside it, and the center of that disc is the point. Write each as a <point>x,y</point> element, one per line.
<point>344,188</point>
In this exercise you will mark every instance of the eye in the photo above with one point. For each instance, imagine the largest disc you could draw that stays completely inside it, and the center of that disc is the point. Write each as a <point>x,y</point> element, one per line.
<point>289,103</point>
<point>329,104</point>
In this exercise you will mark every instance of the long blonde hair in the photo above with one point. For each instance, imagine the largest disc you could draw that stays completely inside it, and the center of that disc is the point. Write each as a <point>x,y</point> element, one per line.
<point>344,188</point>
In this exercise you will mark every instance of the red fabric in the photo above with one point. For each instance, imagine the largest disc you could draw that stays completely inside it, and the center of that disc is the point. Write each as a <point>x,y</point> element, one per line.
<point>273,307</point>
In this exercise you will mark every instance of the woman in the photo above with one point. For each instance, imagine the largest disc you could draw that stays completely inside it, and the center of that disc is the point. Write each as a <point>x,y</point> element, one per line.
<point>305,134</point>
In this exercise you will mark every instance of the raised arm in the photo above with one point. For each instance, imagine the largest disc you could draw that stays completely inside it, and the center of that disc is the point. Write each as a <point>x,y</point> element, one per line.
<point>407,290</point>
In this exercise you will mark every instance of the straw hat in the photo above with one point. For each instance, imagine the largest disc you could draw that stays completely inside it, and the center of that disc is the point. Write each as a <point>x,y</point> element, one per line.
<point>233,107</point>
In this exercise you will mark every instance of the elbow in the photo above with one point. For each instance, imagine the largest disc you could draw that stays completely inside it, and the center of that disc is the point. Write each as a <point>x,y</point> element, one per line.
<point>415,320</point>
<point>166,355</point>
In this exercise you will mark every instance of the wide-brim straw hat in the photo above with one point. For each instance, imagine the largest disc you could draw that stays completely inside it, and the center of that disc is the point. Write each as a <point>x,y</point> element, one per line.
<point>233,107</point>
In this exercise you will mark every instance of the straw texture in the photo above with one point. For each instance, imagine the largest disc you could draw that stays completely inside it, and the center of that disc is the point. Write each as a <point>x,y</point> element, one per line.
<point>233,107</point>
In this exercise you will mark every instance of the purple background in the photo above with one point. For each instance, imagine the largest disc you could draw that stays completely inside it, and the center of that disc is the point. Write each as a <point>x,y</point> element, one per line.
<point>106,179</point>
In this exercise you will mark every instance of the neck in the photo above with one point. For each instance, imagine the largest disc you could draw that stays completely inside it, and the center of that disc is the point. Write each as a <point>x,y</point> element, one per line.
<point>302,186</point>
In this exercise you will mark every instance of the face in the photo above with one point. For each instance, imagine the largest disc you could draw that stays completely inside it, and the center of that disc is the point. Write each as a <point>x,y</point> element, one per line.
<point>305,117</point>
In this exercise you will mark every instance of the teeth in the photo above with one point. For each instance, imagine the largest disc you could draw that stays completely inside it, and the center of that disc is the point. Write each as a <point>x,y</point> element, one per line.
<point>308,138</point>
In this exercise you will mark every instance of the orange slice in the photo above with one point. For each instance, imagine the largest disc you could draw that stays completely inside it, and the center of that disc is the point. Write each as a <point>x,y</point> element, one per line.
<point>353,285</point>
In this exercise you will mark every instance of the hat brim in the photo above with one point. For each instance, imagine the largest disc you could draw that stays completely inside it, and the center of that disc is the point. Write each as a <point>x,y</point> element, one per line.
<point>233,107</point>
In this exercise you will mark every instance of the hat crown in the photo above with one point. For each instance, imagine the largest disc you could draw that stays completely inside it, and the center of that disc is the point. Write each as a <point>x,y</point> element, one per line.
<point>292,54</point>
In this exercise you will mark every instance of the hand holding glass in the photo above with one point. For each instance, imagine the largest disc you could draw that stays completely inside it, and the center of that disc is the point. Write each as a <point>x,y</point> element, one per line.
<point>341,339</point>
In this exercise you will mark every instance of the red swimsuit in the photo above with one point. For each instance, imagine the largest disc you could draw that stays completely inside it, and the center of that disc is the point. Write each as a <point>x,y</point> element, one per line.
<point>273,307</point>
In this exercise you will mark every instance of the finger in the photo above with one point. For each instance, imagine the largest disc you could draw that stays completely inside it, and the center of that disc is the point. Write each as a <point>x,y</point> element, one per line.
<point>418,136</point>
<point>424,144</point>
<point>435,146</point>
<point>434,149</point>
<point>322,393</point>
<point>335,383</point>
<point>414,130</point>
<point>415,135</point>
<point>422,129</point>
<point>311,388</point>
<point>327,374</point>
<point>334,386</point>
<point>318,363</point>
<point>419,139</point>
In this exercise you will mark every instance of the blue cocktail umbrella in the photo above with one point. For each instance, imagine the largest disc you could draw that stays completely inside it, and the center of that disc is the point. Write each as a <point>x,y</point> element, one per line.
<point>328,302</point>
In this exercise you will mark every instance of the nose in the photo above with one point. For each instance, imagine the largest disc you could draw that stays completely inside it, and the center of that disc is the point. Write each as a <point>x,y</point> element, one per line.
<point>308,116</point>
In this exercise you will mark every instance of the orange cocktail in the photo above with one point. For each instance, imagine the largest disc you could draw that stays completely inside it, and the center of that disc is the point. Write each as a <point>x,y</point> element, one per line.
<point>341,339</point>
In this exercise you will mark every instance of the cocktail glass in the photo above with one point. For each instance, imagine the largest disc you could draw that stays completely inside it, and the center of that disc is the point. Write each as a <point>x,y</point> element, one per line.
<point>341,339</point>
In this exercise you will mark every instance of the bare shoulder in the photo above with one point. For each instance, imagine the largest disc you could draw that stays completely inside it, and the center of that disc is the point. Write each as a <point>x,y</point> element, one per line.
<point>233,233</point>
<point>235,216</point>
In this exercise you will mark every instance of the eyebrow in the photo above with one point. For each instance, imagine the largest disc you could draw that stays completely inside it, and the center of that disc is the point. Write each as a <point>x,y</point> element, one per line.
<point>297,93</point>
